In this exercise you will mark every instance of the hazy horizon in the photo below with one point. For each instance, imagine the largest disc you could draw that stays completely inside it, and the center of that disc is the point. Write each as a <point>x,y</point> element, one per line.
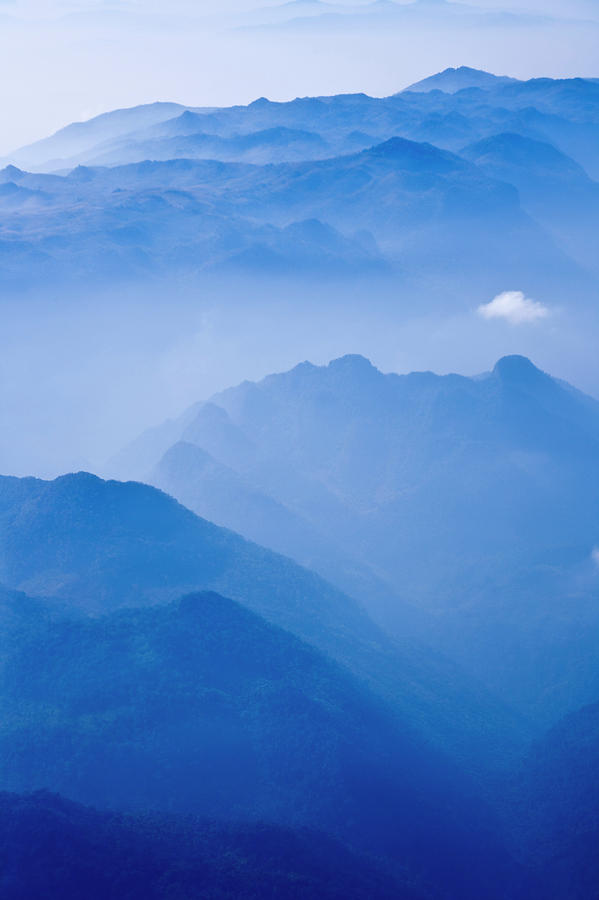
<point>90,58</point>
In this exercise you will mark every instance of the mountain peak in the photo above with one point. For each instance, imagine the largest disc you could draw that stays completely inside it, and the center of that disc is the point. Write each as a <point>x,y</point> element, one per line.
<point>352,363</point>
<point>10,173</point>
<point>517,368</point>
<point>81,477</point>
<point>81,173</point>
<point>521,150</point>
<point>188,116</point>
<point>452,80</point>
<point>409,153</point>
<point>260,103</point>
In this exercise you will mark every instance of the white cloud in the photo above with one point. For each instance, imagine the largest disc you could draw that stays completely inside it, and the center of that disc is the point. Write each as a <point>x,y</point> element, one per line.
<point>595,556</point>
<point>514,307</point>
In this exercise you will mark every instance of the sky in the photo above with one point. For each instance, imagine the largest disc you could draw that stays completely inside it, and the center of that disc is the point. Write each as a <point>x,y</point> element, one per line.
<point>68,61</point>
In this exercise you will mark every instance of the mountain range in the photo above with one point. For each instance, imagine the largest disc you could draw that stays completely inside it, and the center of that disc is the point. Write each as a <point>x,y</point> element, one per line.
<point>133,546</point>
<point>54,848</point>
<point>210,711</point>
<point>441,172</point>
<point>430,485</point>
<point>330,632</point>
<point>306,15</point>
<point>129,683</point>
<point>155,663</point>
<point>480,103</point>
<point>451,80</point>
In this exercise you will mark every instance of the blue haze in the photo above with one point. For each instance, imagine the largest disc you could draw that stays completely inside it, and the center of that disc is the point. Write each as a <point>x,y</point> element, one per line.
<point>273,627</point>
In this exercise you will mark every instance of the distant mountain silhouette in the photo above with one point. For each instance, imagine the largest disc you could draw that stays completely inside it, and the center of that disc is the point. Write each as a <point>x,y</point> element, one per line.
<point>452,80</point>
<point>270,145</point>
<point>421,210</point>
<point>218,192</point>
<point>416,16</point>
<point>80,136</point>
<point>563,111</point>
<point>552,186</point>
<point>538,159</point>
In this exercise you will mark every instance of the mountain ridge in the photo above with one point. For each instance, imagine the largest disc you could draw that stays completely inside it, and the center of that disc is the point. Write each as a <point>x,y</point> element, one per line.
<point>369,458</point>
<point>452,80</point>
<point>135,546</point>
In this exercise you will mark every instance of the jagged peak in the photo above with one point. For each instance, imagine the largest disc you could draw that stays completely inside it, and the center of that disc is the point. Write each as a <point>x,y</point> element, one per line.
<point>11,172</point>
<point>352,362</point>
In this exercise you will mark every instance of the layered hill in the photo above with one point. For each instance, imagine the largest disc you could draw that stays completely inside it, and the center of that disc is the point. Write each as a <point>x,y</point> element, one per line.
<point>340,185</point>
<point>54,848</point>
<point>401,209</point>
<point>477,103</point>
<point>201,707</point>
<point>552,186</point>
<point>100,546</point>
<point>473,497</point>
